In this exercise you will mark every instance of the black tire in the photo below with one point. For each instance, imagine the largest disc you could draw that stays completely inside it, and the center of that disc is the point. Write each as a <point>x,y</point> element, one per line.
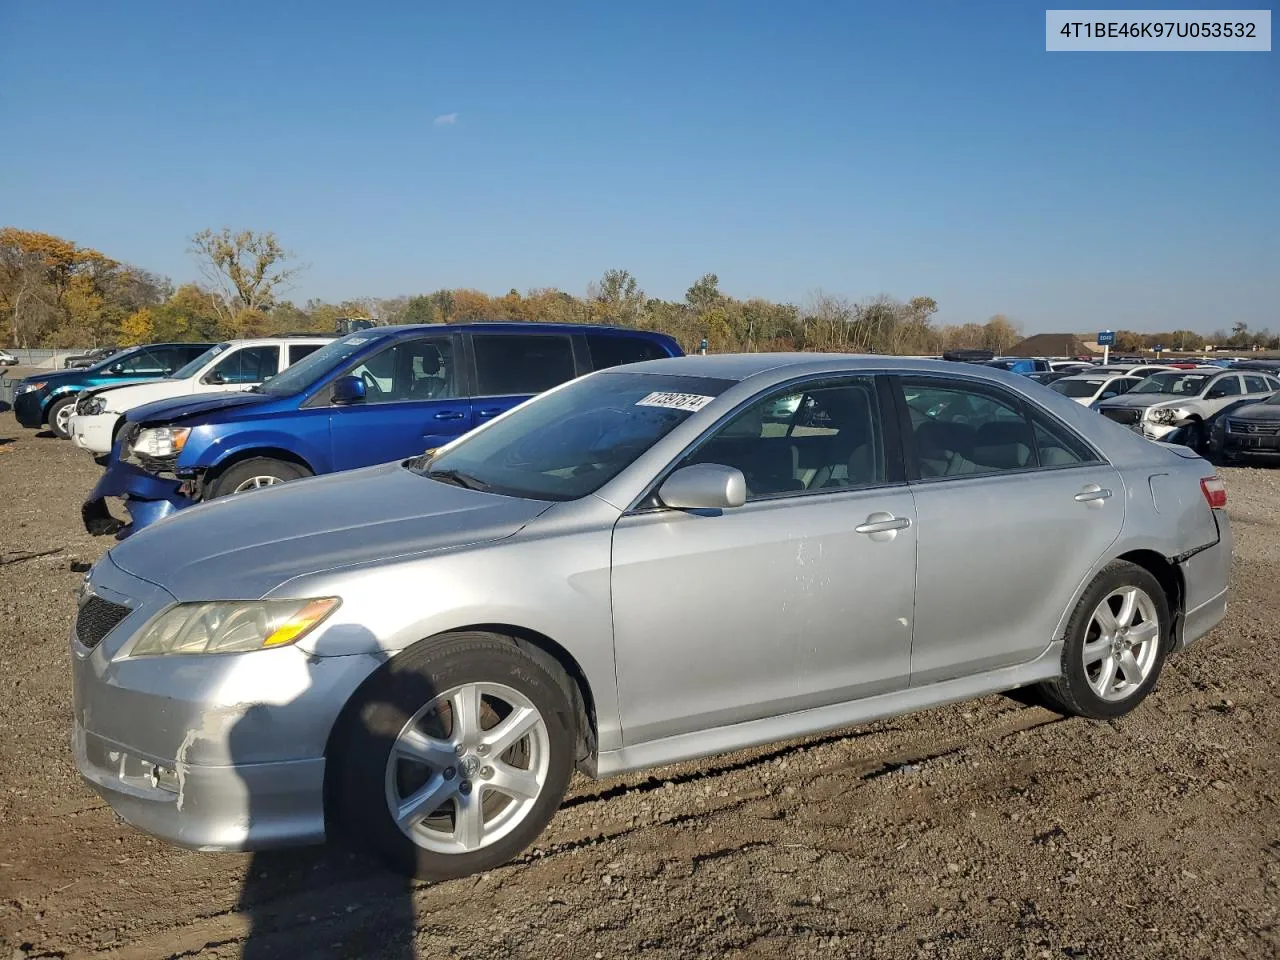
<point>362,744</point>
<point>1071,692</point>
<point>55,409</point>
<point>1196,437</point>
<point>246,470</point>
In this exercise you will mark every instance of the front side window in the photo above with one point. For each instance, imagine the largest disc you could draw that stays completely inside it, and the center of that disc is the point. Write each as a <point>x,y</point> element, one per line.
<point>139,363</point>
<point>970,429</point>
<point>1225,387</point>
<point>822,437</point>
<point>248,365</point>
<point>569,443</point>
<point>410,370</point>
<point>514,364</point>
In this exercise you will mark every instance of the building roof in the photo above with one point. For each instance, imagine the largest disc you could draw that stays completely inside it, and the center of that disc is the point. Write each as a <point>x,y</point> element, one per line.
<point>1050,345</point>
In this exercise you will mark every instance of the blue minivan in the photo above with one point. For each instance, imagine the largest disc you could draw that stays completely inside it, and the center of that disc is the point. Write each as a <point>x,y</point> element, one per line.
<point>370,397</point>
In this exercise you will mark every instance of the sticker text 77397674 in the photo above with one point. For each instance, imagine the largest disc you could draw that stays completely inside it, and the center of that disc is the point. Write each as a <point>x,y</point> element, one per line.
<point>691,402</point>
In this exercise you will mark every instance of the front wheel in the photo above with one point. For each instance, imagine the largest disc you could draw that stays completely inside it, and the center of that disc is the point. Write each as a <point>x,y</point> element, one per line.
<point>1115,644</point>
<point>60,417</point>
<point>454,757</point>
<point>254,474</point>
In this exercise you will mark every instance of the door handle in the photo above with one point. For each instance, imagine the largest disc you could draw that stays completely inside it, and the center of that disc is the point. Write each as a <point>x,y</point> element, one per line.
<point>489,413</point>
<point>449,415</point>
<point>882,527</point>
<point>1092,493</point>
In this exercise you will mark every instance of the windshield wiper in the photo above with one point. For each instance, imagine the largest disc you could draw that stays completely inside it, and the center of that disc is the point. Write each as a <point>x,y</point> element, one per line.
<point>458,479</point>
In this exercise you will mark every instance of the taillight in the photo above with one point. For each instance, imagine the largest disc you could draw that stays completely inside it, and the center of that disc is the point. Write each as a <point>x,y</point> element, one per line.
<point>1215,492</point>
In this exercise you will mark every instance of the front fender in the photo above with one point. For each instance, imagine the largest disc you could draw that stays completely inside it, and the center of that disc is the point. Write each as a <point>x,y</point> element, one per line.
<point>57,394</point>
<point>212,446</point>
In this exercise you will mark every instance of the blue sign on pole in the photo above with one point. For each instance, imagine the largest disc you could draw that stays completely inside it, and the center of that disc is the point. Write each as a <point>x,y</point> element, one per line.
<point>1106,338</point>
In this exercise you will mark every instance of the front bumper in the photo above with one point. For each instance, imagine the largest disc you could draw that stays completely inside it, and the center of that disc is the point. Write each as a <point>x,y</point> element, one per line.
<point>147,498</point>
<point>1249,444</point>
<point>29,409</point>
<point>222,752</point>
<point>93,433</point>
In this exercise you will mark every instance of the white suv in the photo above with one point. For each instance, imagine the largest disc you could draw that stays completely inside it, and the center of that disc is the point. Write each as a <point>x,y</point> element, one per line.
<point>233,365</point>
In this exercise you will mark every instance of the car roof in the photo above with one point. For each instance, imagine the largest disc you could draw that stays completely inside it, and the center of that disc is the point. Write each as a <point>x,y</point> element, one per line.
<point>506,326</point>
<point>744,366</point>
<point>1103,375</point>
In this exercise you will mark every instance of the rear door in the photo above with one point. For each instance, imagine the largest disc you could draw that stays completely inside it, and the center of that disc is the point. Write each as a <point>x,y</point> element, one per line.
<point>1013,508</point>
<point>415,401</point>
<point>511,367</point>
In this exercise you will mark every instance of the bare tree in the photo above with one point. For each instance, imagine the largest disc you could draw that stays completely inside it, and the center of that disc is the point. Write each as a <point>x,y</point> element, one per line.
<point>245,269</point>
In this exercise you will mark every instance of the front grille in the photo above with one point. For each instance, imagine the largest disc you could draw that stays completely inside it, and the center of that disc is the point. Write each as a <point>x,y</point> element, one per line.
<point>1254,428</point>
<point>96,619</point>
<point>1125,415</point>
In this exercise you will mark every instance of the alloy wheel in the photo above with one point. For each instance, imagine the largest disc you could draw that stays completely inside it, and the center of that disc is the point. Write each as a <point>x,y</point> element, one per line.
<point>468,768</point>
<point>253,483</point>
<point>1121,643</point>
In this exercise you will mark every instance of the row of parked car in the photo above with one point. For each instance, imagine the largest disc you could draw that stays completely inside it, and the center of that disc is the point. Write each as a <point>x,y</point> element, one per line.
<point>1228,409</point>
<point>178,423</point>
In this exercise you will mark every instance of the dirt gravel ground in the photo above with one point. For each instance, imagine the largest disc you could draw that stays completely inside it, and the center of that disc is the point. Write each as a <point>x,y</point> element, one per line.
<point>992,828</point>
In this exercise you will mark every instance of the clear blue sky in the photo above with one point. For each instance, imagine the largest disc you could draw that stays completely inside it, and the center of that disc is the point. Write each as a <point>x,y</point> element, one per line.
<point>860,148</point>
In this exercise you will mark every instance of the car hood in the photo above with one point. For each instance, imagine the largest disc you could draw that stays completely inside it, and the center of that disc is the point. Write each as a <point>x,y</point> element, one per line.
<point>1265,412</point>
<point>122,397</point>
<point>181,408</point>
<point>244,546</point>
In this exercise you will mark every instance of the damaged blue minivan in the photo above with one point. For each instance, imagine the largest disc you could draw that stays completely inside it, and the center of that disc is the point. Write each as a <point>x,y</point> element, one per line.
<point>373,396</point>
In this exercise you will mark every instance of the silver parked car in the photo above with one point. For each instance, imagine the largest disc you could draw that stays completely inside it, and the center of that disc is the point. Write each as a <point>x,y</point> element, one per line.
<point>638,567</point>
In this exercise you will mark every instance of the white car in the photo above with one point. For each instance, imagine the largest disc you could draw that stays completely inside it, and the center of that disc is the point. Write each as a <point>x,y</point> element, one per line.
<point>232,365</point>
<point>1088,388</point>
<point>7,359</point>
<point>1132,369</point>
<point>1069,366</point>
<point>1162,402</point>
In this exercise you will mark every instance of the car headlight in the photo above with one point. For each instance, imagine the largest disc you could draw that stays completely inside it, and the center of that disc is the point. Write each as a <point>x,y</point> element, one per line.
<point>160,442</point>
<point>91,406</point>
<point>1167,415</point>
<point>30,387</point>
<point>231,626</point>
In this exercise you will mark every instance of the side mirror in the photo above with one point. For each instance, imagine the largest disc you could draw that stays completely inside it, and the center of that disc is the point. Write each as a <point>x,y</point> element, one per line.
<point>116,368</point>
<point>1109,395</point>
<point>348,390</point>
<point>214,377</point>
<point>704,486</point>
<point>1215,394</point>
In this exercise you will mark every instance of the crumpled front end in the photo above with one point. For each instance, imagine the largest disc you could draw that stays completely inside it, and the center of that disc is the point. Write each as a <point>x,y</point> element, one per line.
<point>148,495</point>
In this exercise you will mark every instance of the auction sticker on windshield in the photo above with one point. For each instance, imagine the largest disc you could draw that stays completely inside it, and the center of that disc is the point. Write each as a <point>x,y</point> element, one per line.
<point>692,402</point>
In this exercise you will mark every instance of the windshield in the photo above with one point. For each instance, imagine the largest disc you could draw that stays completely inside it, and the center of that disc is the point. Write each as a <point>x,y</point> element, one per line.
<point>1076,388</point>
<point>1183,384</point>
<point>567,444</point>
<point>194,367</point>
<point>306,371</point>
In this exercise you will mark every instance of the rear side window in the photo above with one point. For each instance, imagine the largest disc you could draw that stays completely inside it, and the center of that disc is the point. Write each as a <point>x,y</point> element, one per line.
<point>512,363</point>
<point>1256,385</point>
<point>613,351</point>
<point>299,350</point>
<point>964,429</point>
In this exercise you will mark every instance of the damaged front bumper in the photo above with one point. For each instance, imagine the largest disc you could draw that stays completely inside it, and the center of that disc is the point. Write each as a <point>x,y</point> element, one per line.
<point>147,498</point>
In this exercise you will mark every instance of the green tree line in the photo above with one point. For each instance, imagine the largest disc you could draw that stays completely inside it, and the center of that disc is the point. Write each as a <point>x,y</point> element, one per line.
<point>55,293</point>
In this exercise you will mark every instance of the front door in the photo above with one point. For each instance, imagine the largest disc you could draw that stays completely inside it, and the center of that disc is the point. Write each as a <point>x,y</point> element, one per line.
<point>414,401</point>
<point>800,598</point>
<point>1013,511</point>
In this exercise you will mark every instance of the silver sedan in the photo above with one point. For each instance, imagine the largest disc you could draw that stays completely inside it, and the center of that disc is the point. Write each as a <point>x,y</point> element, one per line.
<point>641,566</point>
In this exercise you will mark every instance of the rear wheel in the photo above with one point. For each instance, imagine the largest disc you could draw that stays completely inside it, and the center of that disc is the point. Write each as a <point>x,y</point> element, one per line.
<point>455,756</point>
<point>255,474</point>
<point>60,416</point>
<point>1115,644</point>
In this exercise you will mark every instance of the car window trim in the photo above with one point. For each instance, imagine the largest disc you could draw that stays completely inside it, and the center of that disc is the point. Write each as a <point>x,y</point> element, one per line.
<point>1027,408</point>
<point>894,465</point>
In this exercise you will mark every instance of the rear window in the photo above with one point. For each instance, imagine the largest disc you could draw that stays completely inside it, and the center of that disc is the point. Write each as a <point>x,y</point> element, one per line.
<point>613,351</point>
<point>516,363</point>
